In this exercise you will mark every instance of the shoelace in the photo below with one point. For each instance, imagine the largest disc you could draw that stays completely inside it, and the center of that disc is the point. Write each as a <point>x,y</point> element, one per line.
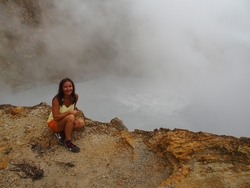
<point>71,144</point>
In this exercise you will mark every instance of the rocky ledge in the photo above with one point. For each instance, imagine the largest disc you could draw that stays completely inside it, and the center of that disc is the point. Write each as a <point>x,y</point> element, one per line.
<point>111,156</point>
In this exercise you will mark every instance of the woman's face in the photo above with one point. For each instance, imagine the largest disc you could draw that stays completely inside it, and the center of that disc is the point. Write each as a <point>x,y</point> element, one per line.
<point>67,88</point>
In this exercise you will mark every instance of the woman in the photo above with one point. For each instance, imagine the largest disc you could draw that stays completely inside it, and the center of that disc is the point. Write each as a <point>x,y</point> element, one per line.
<point>62,119</point>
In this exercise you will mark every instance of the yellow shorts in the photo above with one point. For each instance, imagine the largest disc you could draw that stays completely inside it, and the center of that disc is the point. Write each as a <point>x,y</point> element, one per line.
<point>53,126</point>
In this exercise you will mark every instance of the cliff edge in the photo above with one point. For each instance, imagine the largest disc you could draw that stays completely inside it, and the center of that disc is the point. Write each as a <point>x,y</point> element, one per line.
<point>111,156</point>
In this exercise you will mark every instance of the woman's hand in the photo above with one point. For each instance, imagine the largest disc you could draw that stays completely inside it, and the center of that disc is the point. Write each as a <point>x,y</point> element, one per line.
<point>55,110</point>
<point>74,112</point>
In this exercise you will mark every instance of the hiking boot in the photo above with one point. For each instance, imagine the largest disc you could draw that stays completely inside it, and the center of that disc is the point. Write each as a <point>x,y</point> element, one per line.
<point>60,138</point>
<point>71,147</point>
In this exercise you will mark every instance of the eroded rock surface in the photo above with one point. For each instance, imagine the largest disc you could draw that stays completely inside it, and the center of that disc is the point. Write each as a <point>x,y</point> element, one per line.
<point>111,157</point>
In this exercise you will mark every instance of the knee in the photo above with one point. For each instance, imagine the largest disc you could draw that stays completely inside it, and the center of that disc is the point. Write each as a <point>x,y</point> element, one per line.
<point>70,118</point>
<point>79,123</point>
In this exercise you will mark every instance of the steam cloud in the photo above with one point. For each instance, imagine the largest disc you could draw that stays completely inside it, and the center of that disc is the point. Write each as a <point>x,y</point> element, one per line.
<point>201,49</point>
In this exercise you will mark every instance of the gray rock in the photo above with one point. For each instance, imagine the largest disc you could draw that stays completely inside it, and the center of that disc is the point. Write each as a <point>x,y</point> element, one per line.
<point>118,124</point>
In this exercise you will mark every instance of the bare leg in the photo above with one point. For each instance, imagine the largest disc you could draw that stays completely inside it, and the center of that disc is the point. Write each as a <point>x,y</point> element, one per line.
<point>79,123</point>
<point>66,124</point>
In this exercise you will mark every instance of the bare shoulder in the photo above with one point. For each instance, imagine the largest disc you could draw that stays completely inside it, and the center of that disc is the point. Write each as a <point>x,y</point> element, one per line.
<point>55,100</point>
<point>76,95</point>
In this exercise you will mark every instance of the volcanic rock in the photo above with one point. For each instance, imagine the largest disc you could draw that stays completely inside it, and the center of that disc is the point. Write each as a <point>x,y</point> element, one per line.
<point>111,157</point>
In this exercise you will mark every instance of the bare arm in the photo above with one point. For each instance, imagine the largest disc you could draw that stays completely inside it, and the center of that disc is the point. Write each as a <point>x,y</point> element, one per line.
<point>55,110</point>
<point>76,101</point>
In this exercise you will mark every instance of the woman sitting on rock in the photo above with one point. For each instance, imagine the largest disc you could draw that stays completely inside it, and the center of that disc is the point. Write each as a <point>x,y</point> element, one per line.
<point>62,119</point>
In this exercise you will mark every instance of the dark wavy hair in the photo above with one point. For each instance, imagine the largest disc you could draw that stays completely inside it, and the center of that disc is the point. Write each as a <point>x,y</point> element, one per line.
<point>60,93</point>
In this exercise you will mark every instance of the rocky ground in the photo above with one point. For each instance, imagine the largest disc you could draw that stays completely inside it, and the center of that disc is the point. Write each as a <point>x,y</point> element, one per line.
<point>111,156</point>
